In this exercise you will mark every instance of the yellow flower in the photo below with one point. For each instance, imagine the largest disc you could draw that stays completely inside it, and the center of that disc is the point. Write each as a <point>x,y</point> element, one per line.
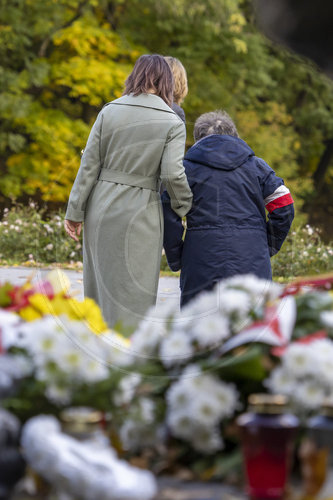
<point>39,306</point>
<point>87,310</point>
<point>29,314</point>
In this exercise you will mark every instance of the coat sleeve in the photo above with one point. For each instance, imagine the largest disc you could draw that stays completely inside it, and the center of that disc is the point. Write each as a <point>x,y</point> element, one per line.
<point>173,234</point>
<point>280,206</point>
<point>87,174</point>
<point>173,173</point>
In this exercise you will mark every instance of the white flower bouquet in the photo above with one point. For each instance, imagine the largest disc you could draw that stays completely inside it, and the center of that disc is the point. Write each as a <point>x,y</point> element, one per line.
<point>194,370</point>
<point>60,348</point>
<point>182,377</point>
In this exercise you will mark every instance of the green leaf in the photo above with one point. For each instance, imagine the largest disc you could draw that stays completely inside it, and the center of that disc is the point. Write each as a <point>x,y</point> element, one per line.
<point>5,299</point>
<point>246,364</point>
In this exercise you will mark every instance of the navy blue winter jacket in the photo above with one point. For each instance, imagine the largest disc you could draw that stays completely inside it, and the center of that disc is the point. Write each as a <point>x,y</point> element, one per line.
<point>227,230</point>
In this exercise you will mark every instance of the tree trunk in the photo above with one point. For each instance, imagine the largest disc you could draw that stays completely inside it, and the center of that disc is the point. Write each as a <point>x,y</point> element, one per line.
<point>324,162</point>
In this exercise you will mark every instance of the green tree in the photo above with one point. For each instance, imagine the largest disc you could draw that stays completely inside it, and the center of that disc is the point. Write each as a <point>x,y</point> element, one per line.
<point>282,103</point>
<point>60,62</point>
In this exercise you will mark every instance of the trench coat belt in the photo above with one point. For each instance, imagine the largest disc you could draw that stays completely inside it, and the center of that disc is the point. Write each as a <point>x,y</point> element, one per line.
<point>135,180</point>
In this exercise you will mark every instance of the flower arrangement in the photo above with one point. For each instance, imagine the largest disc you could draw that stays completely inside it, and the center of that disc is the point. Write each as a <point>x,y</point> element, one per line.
<point>50,297</point>
<point>193,371</point>
<point>184,376</point>
<point>65,343</point>
<point>185,387</point>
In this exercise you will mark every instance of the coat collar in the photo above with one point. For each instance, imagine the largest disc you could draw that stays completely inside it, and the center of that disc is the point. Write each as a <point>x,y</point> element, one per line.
<point>143,100</point>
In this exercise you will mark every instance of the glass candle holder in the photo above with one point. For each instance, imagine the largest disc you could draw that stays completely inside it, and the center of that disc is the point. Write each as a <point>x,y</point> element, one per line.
<point>316,454</point>
<point>267,434</point>
<point>82,422</point>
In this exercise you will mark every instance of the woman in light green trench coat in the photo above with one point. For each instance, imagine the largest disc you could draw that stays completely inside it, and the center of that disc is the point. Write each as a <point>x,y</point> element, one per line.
<point>136,142</point>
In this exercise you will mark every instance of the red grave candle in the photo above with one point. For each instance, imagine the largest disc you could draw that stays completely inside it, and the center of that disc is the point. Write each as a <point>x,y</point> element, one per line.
<point>267,435</point>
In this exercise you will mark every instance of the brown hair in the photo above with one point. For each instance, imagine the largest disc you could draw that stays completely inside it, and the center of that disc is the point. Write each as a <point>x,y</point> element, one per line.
<point>151,73</point>
<point>180,89</point>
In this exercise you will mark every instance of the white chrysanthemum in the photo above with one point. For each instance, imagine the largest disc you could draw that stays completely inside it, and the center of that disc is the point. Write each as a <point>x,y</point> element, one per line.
<point>210,330</point>
<point>176,348</point>
<point>179,396</point>
<point>198,401</point>
<point>146,339</point>
<point>181,424</point>
<point>95,371</point>
<point>207,440</point>
<point>193,378</point>
<point>146,410</point>
<point>309,394</point>
<point>23,337</point>
<point>163,311</point>
<point>9,329</point>
<point>6,382</point>
<point>281,382</point>
<point>300,360</point>
<point>234,302</point>
<point>43,338</point>
<point>204,304</point>
<point>76,330</point>
<point>48,345</point>
<point>196,382</point>
<point>323,350</point>
<point>58,394</point>
<point>205,409</point>
<point>306,374</point>
<point>126,389</point>
<point>191,371</point>
<point>73,364</point>
<point>227,396</point>
<point>15,366</point>
<point>117,350</point>
<point>325,370</point>
<point>322,347</point>
<point>260,290</point>
<point>326,317</point>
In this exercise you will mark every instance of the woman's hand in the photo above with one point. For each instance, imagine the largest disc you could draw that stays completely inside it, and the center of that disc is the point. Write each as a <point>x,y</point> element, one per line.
<point>73,229</point>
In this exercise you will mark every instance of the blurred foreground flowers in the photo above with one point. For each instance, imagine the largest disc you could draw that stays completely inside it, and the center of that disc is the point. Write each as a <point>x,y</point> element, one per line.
<point>173,389</point>
<point>64,342</point>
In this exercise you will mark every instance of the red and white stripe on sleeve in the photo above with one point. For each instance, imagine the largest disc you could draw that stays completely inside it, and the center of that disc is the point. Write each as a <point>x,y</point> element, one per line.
<point>280,198</point>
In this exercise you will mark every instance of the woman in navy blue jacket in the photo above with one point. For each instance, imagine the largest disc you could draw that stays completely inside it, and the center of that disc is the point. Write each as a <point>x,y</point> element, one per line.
<point>227,230</point>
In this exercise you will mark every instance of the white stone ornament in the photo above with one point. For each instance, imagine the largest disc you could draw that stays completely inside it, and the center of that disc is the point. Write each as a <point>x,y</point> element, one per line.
<point>83,470</point>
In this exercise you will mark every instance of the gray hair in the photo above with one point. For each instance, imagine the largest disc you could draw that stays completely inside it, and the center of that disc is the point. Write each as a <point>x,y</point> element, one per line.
<point>215,122</point>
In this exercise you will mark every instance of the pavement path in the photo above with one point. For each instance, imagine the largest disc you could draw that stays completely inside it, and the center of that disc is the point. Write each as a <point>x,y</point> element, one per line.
<point>168,288</point>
